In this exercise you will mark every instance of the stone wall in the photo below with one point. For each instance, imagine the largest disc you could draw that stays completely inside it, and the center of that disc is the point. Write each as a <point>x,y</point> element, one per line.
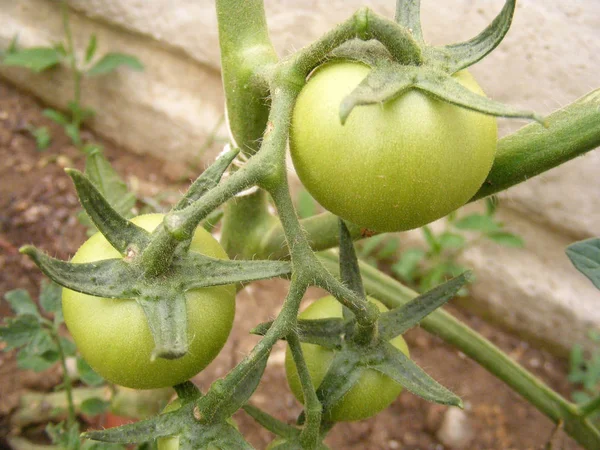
<point>549,58</point>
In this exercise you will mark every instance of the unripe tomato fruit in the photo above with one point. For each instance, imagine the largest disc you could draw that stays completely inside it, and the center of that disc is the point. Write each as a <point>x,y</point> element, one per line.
<point>113,335</point>
<point>392,166</point>
<point>372,393</point>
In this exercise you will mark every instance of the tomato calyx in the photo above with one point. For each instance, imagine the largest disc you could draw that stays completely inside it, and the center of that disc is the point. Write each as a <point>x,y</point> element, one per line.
<point>156,269</point>
<point>390,77</point>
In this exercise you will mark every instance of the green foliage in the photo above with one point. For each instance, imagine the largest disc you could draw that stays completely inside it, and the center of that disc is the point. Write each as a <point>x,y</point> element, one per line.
<point>111,61</point>
<point>43,58</point>
<point>42,137</point>
<point>584,373</point>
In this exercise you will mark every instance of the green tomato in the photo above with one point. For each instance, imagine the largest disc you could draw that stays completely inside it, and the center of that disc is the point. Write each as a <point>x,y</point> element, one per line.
<point>393,166</point>
<point>373,391</point>
<point>113,335</point>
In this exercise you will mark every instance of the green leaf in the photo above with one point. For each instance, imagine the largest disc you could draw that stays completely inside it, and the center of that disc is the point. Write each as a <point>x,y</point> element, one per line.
<point>50,297</point>
<point>506,239</point>
<point>40,353</point>
<point>431,239</point>
<point>36,59</point>
<point>87,374</point>
<point>21,302</point>
<point>307,206</point>
<point>408,264</point>
<point>389,249</point>
<point>369,245</point>
<point>451,240</point>
<point>94,406</point>
<point>72,130</point>
<point>91,48</point>
<point>477,222</point>
<point>18,331</point>
<point>491,205</point>
<point>111,61</point>
<point>56,116</point>
<point>585,256</point>
<point>68,346</point>
<point>42,137</point>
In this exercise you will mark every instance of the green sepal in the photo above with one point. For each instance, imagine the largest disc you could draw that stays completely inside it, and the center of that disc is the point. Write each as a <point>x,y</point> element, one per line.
<point>398,320</point>
<point>392,362</point>
<point>349,271</point>
<point>343,373</point>
<point>442,86</point>
<point>465,54</point>
<point>371,52</point>
<point>324,332</point>
<point>111,278</point>
<point>585,256</point>
<point>118,231</point>
<point>408,14</point>
<point>219,403</point>
<point>207,180</point>
<point>166,313</point>
<point>386,80</point>
<point>197,271</point>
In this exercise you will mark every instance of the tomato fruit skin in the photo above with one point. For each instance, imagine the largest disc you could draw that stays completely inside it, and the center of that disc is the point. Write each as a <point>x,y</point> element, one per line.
<point>113,335</point>
<point>393,166</point>
<point>372,393</point>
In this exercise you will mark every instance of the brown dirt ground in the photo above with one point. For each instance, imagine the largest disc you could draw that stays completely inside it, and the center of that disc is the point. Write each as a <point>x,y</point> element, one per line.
<point>38,206</point>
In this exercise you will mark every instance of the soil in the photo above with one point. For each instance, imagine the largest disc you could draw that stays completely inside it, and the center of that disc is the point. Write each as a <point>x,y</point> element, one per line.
<point>38,206</point>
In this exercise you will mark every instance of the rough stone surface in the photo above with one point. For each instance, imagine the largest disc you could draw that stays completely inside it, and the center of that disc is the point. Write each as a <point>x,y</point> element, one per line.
<point>548,59</point>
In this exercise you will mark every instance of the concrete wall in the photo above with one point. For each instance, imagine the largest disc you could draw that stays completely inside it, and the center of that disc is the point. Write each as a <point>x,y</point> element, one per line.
<point>549,58</point>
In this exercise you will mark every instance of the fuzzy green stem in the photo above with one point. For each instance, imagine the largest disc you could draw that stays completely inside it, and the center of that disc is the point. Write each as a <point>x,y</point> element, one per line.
<point>246,55</point>
<point>281,327</point>
<point>393,294</point>
<point>67,384</point>
<point>312,407</point>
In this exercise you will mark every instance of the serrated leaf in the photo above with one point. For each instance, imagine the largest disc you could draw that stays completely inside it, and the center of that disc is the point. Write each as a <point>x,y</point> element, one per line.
<point>36,59</point>
<point>50,297</point>
<point>506,239</point>
<point>585,256</point>
<point>477,222</point>
<point>94,406</point>
<point>90,51</point>
<point>18,331</point>
<point>111,61</point>
<point>37,363</point>
<point>56,116</point>
<point>307,206</point>
<point>87,374</point>
<point>21,303</point>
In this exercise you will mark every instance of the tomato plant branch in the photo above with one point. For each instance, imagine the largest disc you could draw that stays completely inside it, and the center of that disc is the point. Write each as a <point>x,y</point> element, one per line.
<point>393,294</point>
<point>310,435</point>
